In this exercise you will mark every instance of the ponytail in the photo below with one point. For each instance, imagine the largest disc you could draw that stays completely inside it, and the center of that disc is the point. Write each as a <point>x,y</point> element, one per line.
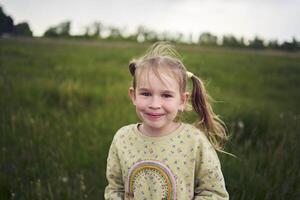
<point>209,122</point>
<point>132,67</point>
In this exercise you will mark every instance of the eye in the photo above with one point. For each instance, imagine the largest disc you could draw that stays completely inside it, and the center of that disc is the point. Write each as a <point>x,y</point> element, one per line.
<point>167,95</point>
<point>145,94</point>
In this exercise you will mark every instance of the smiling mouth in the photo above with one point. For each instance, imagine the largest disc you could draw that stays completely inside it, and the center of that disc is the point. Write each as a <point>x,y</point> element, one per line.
<point>154,115</point>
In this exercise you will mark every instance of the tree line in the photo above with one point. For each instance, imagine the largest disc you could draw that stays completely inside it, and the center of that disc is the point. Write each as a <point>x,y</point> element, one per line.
<point>142,34</point>
<point>97,30</point>
<point>7,26</point>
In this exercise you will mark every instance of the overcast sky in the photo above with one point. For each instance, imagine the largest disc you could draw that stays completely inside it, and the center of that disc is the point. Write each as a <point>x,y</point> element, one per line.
<point>268,19</point>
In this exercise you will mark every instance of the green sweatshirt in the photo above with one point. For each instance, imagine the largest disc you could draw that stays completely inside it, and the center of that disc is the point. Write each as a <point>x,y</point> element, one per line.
<point>181,165</point>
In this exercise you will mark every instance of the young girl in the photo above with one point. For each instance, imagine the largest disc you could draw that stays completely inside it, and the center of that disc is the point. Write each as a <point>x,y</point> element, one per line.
<point>162,157</point>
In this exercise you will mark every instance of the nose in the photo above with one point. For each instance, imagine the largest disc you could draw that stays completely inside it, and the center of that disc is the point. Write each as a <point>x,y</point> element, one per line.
<point>155,103</point>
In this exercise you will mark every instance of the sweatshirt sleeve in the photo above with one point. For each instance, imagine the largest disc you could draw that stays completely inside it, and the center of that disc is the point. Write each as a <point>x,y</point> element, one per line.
<point>115,188</point>
<point>209,180</point>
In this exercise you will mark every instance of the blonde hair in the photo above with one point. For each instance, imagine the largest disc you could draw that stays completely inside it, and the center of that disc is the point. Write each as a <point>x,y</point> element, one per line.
<point>162,55</point>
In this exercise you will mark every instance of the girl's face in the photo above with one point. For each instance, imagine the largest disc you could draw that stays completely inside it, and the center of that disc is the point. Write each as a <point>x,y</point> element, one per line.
<point>157,102</point>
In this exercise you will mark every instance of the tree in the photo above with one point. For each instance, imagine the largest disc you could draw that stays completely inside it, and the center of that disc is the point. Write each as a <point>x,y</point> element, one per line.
<point>290,46</point>
<point>242,42</point>
<point>141,33</point>
<point>178,37</point>
<point>7,26</point>
<point>231,41</point>
<point>114,33</point>
<point>257,43</point>
<point>97,27</point>
<point>144,34</point>
<point>93,30</point>
<point>22,29</point>
<point>207,39</point>
<point>273,44</point>
<point>6,23</point>
<point>61,30</point>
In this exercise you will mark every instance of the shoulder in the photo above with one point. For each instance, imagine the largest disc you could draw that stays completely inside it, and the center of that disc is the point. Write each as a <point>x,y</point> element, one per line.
<point>124,132</point>
<point>204,148</point>
<point>197,135</point>
<point>195,132</point>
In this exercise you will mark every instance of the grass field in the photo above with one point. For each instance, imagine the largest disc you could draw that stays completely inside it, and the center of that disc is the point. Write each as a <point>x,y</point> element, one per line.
<point>62,101</point>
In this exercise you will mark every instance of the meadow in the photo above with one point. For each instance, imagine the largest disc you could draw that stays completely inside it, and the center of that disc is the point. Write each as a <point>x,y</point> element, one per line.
<point>61,102</point>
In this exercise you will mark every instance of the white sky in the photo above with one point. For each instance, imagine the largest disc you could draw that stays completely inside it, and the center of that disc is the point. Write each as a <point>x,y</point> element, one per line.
<point>268,19</point>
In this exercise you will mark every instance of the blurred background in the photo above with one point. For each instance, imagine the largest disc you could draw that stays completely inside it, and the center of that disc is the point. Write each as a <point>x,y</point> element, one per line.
<point>64,79</point>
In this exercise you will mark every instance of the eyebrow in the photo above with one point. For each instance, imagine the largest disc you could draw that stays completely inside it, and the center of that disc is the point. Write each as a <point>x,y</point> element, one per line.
<point>164,91</point>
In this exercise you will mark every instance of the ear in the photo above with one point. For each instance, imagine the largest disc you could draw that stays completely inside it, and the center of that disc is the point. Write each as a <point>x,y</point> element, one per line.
<point>184,99</point>
<point>131,94</point>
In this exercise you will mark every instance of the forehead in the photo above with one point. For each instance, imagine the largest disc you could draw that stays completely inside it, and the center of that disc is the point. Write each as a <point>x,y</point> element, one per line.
<point>157,79</point>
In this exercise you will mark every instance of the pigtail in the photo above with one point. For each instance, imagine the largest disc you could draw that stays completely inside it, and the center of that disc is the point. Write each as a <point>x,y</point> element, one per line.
<point>132,67</point>
<point>210,123</point>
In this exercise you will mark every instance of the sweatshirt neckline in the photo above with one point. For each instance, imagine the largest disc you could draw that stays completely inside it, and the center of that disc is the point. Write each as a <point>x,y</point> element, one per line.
<point>174,133</point>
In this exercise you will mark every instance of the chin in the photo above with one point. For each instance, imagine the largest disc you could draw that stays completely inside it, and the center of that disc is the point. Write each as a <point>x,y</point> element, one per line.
<point>155,125</point>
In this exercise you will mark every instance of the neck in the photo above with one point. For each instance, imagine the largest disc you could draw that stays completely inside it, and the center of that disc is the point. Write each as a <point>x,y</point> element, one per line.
<point>160,131</point>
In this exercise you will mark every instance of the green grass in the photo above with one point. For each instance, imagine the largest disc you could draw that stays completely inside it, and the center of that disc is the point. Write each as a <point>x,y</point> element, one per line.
<point>62,101</point>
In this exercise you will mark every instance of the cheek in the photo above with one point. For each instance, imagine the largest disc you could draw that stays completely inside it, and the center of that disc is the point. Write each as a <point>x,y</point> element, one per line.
<point>171,106</point>
<point>140,103</point>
